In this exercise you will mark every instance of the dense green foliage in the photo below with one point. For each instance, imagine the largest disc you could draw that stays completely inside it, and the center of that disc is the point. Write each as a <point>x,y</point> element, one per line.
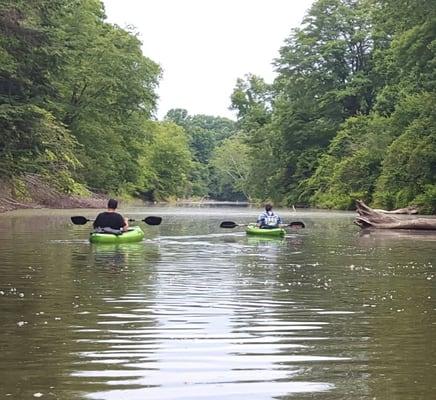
<point>166,164</point>
<point>231,169</point>
<point>351,112</point>
<point>207,137</point>
<point>76,98</point>
<point>32,138</point>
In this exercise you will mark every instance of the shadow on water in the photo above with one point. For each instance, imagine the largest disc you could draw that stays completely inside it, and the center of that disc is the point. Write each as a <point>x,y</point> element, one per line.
<point>395,234</point>
<point>116,256</point>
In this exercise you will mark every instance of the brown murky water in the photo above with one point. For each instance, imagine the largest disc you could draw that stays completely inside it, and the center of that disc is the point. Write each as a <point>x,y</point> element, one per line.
<point>199,312</point>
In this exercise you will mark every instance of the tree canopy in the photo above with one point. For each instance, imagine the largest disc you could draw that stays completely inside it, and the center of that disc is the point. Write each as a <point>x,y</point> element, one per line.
<point>349,116</point>
<point>206,134</point>
<point>76,98</point>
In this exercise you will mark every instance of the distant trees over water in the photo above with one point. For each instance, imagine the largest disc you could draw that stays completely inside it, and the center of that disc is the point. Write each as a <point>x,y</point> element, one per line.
<point>349,116</point>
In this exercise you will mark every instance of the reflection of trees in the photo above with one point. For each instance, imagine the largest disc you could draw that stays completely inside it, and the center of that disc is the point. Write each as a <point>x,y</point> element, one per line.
<point>66,284</point>
<point>393,236</point>
<point>382,278</point>
<point>117,286</point>
<point>200,294</point>
<point>400,293</point>
<point>284,336</point>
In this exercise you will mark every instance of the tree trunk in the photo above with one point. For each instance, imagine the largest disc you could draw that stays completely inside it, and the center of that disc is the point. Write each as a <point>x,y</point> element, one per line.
<point>370,218</point>
<point>407,210</point>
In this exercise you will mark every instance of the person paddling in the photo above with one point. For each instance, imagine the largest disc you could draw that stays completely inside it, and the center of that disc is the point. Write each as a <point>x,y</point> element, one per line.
<point>110,221</point>
<point>268,219</point>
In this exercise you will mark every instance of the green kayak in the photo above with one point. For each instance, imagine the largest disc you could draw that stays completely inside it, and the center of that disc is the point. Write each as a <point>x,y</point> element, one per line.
<point>134,234</point>
<point>254,230</point>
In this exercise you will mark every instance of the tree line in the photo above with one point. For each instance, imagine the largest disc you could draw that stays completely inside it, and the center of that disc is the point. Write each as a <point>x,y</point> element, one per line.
<point>351,112</point>
<point>77,102</point>
<point>349,116</point>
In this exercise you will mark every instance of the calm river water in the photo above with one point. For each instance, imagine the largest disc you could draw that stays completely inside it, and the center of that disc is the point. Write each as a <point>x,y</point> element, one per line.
<point>198,312</point>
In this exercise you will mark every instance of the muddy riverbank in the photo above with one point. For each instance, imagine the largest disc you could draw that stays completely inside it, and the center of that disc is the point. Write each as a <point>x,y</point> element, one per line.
<point>32,192</point>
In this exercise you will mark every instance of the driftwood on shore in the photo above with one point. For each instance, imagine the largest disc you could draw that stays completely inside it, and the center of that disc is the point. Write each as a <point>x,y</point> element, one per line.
<point>407,210</point>
<point>372,218</point>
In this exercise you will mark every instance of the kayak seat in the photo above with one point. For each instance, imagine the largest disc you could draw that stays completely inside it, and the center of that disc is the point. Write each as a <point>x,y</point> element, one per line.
<point>108,230</point>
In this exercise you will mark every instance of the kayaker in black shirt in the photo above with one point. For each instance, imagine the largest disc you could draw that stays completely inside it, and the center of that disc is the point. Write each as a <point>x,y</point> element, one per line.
<point>111,219</point>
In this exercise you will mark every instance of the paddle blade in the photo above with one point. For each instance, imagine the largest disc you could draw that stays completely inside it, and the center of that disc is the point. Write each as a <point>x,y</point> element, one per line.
<point>228,224</point>
<point>297,224</point>
<point>79,220</point>
<point>153,220</point>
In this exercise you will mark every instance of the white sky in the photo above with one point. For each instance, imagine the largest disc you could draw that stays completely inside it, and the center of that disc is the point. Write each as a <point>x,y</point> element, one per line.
<point>203,46</point>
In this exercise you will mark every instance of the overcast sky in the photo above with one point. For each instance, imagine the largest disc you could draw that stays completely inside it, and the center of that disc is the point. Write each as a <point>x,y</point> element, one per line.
<point>203,46</point>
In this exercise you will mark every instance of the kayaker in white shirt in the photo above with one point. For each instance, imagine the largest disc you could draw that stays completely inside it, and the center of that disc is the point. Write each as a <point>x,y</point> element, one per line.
<point>268,219</point>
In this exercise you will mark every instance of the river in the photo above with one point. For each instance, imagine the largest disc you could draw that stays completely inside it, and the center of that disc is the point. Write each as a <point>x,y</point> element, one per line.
<point>199,312</point>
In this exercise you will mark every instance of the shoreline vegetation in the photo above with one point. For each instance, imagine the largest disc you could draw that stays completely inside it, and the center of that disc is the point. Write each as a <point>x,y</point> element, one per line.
<point>350,114</point>
<point>33,192</point>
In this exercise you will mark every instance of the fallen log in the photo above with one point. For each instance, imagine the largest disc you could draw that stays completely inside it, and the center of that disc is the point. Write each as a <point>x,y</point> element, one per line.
<point>407,210</point>
<point>372,218</point>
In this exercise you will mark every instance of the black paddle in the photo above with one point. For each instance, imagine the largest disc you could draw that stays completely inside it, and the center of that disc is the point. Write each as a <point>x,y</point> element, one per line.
<point>296,224</point>
<point>231,224</point>
<point>79,220</point>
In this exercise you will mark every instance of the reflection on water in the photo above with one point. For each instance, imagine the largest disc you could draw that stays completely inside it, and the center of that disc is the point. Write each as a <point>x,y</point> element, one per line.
<point>195,311</point>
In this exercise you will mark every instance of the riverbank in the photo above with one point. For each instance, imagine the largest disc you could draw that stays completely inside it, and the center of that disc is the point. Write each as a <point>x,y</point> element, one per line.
<point>209,202</point>
<point>32,192</point>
